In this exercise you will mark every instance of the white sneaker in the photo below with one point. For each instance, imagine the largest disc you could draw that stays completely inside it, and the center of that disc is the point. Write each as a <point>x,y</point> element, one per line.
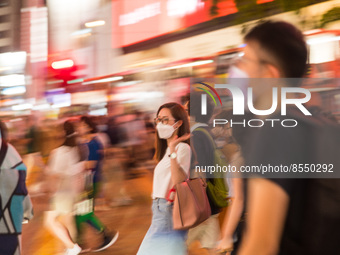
<point>74,251</point>
<point>109,239</point>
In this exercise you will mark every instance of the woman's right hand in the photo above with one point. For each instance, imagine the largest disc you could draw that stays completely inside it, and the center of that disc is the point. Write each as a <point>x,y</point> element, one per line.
<point>177,140</point>
<point>225,246</point>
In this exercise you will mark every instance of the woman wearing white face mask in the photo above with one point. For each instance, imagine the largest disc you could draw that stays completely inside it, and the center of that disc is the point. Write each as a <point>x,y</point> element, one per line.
<point>173,155</point>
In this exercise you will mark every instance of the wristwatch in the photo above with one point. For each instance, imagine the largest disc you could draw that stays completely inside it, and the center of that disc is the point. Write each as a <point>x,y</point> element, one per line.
<point>173,155</point>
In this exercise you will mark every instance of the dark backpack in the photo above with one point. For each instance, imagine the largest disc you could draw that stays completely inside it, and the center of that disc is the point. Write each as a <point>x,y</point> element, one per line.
<point>320,219</point>
<point>217,190</point>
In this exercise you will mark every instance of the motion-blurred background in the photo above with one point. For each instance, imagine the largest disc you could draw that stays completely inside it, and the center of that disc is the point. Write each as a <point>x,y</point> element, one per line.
<point>119,60</point>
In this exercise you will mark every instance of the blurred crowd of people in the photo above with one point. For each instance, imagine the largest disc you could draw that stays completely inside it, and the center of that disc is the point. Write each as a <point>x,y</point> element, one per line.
<point>73,160</point>
<point>265,214</point>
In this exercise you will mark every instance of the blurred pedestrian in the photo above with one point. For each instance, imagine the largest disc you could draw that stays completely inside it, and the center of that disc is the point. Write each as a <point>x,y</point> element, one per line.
<point>130,146</point>
<point>15,205</point>
<point>102,135</point>
<point>173,155</point>
<point>234,218</point>
<point>285,216</point>
<point>66,168</point>
<point>207,233</point>
<point>150,136</point>
<point>113,131</point>
<point>115,164</point>
<point>134,127</point>
<point>33,140</point>
<point>32,135</point>
<point>87,130</point>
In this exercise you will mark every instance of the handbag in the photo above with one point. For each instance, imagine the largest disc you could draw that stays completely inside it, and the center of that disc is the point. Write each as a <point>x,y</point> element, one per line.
<point>191,204</point>
<point>85,203</point>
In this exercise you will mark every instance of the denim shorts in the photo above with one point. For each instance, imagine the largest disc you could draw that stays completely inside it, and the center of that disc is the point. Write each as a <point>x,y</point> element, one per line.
<point>161,238</point>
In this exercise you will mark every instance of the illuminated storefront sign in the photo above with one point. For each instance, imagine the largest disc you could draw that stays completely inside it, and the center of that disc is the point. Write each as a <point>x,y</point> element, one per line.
<point>137,21</point>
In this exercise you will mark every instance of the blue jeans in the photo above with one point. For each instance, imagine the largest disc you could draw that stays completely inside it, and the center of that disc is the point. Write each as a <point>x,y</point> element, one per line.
<point>161,238</point>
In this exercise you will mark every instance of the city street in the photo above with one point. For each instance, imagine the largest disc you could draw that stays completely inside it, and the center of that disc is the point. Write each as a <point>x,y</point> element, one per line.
<point>106,104</point>
<point>132,221</point>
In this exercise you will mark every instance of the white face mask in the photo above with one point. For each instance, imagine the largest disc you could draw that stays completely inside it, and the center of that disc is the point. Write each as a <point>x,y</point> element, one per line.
<point>235,72</point>
<point>239,78</point>
<point>165,131</point>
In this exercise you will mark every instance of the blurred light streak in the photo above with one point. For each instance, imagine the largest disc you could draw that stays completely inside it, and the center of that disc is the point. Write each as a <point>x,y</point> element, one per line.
<point>314,31</point>
<point>148,62</point>
<point>140,96</point>
<point>62,64</point>
<point>5,68</point>
<point>82,32</point>
<point>57,90</point>
<point>102,111</point>
<point>115,78</point>
<point>196,63</point>
<point>12,80</point>
<point>61,105</point>
<point>127,83</point>
<point>75,81</point>
<point>15,120</point>
<point>324,39</point>
<point>41,107</point>
<point>96,23</point>
<point>12,102</point>
<point>55,82</point>
<point>21,107</point>
<point>13,91</point>
<point>13,59</point>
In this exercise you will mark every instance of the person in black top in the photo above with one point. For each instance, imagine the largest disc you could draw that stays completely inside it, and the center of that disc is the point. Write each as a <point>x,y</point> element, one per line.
<point>287,215</point>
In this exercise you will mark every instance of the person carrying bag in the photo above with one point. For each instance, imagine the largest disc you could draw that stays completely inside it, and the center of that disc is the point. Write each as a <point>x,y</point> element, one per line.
<point>174,156</point>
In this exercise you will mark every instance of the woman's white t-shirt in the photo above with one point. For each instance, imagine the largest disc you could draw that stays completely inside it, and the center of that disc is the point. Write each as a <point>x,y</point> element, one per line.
<point>65,162</point>
<point>162,175</point>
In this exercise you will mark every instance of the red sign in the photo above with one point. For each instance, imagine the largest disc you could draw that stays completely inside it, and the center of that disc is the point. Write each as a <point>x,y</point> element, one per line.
<point>137,21</point>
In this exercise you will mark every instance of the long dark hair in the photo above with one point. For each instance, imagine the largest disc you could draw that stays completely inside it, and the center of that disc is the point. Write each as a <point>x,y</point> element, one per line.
<point>71,140</point>
<point>71,134</point>
<point>89,121</point>
<point>179,113</point>
<point>3,130</point>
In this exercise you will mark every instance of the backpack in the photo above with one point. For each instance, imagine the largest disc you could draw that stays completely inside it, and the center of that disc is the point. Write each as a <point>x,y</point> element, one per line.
<point>14,201</point>
<point>321,217</point>
<point>217,189</point>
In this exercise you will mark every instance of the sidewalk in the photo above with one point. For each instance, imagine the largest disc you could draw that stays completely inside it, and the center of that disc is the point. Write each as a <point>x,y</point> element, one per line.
<point>131,221</point>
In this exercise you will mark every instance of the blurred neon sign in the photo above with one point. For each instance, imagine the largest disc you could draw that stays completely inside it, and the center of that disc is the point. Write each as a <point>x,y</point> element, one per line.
<point>137,21</point>
<point>181,8</point>
<point>140,14</point>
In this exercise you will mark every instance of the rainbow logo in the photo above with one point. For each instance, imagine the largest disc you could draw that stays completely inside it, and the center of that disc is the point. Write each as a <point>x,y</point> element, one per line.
<point>208,92</point>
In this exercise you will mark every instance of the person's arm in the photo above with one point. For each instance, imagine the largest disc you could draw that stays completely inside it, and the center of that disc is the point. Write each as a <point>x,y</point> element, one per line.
<point>91,164</point>
<point>94,154</point>
<point>54,170</point>
<point>232,218</point>
<point>178,174</point>
<point>267,209</point>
